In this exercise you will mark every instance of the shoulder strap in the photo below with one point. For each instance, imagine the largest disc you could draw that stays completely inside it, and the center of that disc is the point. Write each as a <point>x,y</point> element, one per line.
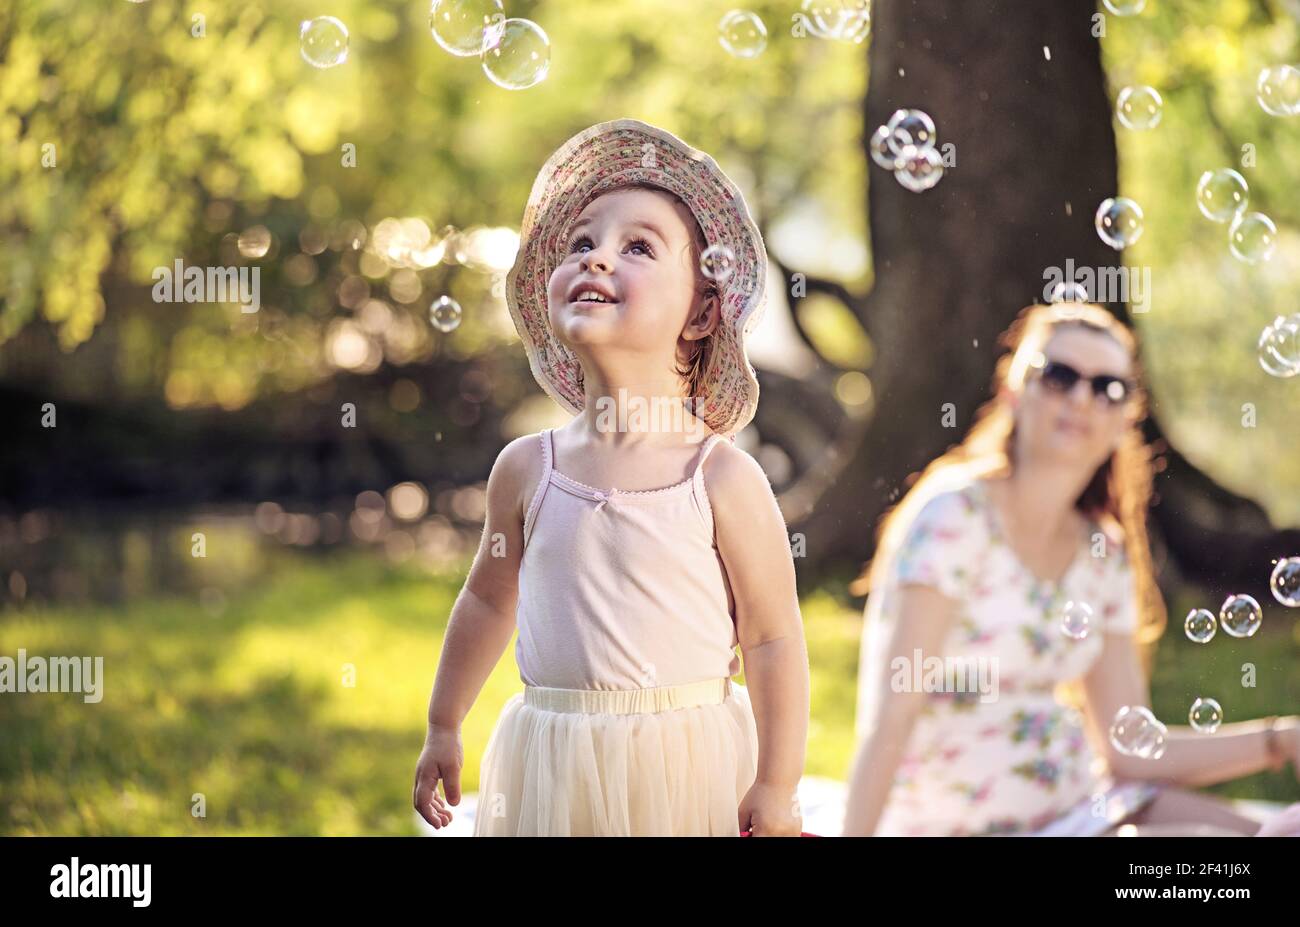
<point>705,450</point>
<point>701,494</point>
<point>548,464</point>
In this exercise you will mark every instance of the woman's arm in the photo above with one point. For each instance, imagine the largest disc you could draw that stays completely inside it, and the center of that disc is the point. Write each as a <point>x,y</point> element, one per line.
<point>925,616</point>
<point>1190,758</point>
<point>752,540</point>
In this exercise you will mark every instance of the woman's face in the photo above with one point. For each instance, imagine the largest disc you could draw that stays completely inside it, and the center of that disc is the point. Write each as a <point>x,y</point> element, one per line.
<point>1074,426</point>
<point>634,247</point>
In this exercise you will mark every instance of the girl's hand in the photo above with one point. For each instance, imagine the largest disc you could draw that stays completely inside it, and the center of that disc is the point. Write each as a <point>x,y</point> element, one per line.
<point>441,758</point>
<point>770,810</point>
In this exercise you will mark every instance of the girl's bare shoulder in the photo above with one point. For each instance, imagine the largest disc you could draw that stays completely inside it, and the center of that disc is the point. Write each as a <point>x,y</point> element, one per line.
<point>732,475</point>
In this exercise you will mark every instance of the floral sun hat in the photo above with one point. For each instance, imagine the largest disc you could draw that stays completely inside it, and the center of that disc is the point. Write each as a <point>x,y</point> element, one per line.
<point>611,155</point>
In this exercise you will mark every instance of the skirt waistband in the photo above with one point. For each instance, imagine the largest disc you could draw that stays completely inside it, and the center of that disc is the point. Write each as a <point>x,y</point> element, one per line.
<point>629,701</point>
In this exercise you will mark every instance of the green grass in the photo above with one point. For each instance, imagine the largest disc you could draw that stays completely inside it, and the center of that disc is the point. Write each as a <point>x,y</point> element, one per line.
<point>249,709</point>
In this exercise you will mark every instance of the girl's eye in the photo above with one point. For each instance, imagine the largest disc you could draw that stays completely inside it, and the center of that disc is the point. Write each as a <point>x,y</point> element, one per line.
<point>577,243</point>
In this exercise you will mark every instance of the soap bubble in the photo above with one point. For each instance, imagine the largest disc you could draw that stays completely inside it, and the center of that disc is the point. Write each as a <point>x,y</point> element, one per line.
<point>908,135</point>
<point>1252,237</point>
<point>919,170</point>
<point>1279,346</point>
<point>1119,222</point>
<point>1206,715</point>
<point>254,242</point>
<point>742,34</point>
<point>857,25</point>
<point>1125,7</point>
<point>1067,291</point>
<point>323,41</point>
<point>911,127</point>
<point>882,149</point>
<point>1240,615</point>
<point>1285,582</point>
<point>520,58</point>
<point>1278,90</point>
<point>467,27</point>
<point>1200,625</point>
<point>445,314</point>
<point>1136,732</point>
<point>1076,620</point>
<point>717,262</point>
<point>1139,107</point>
<point>846,20</point>
<point>1222,194</point>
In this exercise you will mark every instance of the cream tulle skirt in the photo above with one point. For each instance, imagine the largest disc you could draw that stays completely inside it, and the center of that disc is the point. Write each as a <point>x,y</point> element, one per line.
<point>666,761</point>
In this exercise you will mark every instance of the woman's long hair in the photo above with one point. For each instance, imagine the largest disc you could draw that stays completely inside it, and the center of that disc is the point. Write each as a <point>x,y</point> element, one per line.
<point>1116,497</point>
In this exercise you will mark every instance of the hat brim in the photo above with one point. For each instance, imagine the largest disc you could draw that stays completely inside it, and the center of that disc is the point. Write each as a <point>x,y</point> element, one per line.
<point>605,157</point>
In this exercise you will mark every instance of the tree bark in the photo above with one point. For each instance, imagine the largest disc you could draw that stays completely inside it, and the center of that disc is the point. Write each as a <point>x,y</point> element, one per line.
<point>1018,87</point>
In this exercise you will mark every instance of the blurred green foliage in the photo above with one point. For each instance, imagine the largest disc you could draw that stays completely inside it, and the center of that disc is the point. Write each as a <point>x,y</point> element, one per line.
<point>166,142</point>
<point>1207,309</point>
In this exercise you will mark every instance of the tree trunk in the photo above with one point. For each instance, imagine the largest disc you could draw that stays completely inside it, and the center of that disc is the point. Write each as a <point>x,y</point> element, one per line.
<point>1017,86</point>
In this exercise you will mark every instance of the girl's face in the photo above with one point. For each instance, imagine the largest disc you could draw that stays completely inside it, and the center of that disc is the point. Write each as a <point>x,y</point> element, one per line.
<point>1060,416</point>
<point>634,249</point>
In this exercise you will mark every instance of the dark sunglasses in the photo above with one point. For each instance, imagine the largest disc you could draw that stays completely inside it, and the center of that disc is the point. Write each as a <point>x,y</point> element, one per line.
<point>1060,378</point>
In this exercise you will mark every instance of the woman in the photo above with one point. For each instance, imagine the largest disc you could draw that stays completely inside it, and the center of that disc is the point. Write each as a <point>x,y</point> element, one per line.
<point>1021,558</point>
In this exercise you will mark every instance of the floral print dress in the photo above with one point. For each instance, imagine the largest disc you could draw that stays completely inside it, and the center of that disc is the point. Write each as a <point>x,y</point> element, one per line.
<point>1008,757</point>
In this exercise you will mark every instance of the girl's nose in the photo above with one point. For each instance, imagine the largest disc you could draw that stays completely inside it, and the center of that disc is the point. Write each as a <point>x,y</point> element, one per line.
<point>595,260</point>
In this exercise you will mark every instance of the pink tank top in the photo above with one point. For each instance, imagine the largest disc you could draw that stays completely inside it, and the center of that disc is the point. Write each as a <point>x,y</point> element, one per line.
<point>622,589</point>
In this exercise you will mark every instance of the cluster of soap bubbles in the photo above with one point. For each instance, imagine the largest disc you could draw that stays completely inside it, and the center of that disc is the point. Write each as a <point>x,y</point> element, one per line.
<point>1222,196</point>
<point>1119,220</point>
<point>905,145</point>
<point>1135,731</point>
<point>1278,90</point>
<point>1239,616</point>
<point>515,53</point>
<point>742,32</point>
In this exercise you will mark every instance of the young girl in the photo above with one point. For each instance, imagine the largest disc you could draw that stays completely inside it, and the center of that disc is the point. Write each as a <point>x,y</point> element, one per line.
<point>635,547</point>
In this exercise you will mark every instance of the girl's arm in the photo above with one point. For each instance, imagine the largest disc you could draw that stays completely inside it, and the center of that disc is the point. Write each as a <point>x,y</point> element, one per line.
<point>924,618</point>
<point>1191,758</point>
<point>482,621</point>
<point>755,550</point>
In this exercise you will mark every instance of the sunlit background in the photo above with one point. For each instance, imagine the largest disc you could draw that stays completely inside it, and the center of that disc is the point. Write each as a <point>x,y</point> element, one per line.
<point>377,181</point>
